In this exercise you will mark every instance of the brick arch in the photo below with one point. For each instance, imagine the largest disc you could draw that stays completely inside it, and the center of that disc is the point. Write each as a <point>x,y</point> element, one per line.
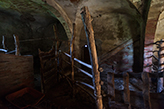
<point>159,34</point>
<point>56,10</point>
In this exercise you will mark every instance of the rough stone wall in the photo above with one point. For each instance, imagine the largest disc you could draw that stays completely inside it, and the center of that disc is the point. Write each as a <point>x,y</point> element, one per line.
<point>114,22</point>
<point>34,31</point>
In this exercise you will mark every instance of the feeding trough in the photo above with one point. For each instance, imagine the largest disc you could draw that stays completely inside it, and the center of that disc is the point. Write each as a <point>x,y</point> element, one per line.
<point>25,97</point>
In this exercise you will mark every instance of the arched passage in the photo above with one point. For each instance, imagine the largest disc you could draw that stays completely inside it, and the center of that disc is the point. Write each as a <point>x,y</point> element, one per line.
<point>56,11</point>
<point>159,35</point>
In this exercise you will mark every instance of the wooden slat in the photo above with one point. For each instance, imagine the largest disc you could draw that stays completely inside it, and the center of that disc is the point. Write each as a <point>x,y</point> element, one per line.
<point>92,95</point>
<point>79,61</point>
<point>48,69</point>
<point>41,53</point>
<point>9,52</point>
<point>88,85</point>
<point>86,73</point>
<point>49,73</point>
<point>3,50</point>
<point>49,79</point>
<point>49,56</point>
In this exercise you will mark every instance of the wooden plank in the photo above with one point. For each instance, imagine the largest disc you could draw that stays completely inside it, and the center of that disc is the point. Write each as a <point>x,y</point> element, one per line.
<point>146,90</point>
<point>15,71</point>
<point>126,89</point>
<point>86,18</point>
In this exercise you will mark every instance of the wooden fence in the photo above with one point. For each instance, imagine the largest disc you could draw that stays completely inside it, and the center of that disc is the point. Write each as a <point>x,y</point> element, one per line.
<point>16,51</point>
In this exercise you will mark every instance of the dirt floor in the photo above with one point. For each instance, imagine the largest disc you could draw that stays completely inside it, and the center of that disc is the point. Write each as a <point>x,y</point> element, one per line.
<point>60,97</point>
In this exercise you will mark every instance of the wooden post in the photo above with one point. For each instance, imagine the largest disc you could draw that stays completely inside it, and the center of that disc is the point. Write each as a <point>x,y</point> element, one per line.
<point>56,50</point>
<point>41,72</point>
<point>146,90</point>
<point>3,42</point>
<point>86,18</point>
<point>110,86</point>
<point>16,39</point>
<point>72,55</point>
<point>126,89</point>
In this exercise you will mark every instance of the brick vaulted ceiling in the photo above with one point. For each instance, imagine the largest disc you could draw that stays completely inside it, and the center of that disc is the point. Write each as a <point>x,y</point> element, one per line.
<point>112,19</point>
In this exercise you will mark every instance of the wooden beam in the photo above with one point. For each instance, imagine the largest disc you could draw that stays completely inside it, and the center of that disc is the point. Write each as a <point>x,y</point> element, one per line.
<point>110,86</point>
<point>56,50</point>
<point>86,18</point>
<point>72,56</point>
<point>126,89</point>
<point>146,90</point>
<point>3,42</point>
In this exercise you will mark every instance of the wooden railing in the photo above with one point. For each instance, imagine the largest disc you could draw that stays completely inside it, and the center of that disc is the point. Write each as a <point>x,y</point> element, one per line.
<point>16,51</point>
<point>75,81</point>
<point>126,92</point>
<point>144,77</point>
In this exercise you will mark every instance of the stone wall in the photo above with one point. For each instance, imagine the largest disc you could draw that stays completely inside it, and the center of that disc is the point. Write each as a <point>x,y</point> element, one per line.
<point>33,29</point>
